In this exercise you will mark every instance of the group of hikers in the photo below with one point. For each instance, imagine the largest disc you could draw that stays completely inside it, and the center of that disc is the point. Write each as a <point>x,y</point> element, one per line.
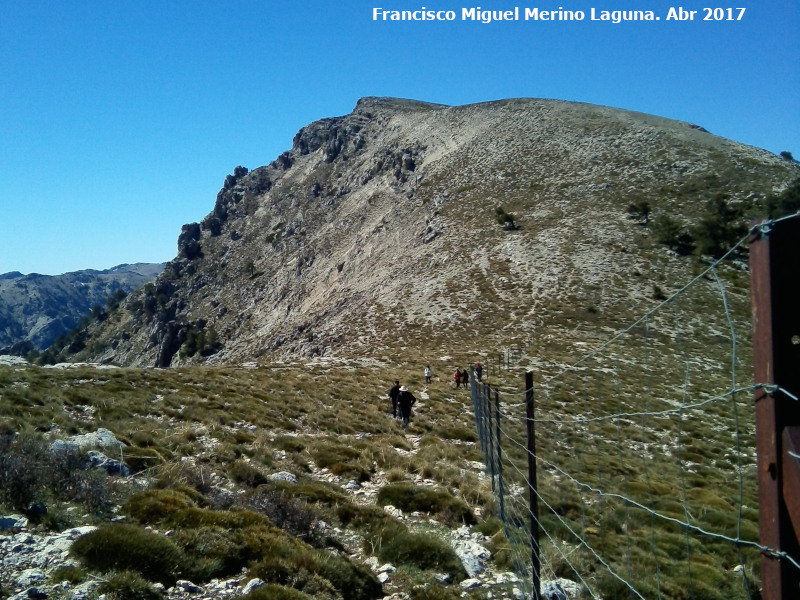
<point>402,399</point>
<point>462,377</point>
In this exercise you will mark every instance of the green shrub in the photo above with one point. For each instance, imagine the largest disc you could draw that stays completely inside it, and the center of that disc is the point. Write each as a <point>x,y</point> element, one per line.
<point>785,203</point>
<point>433,592</point>
<point>154,506</point>
<point>29,471</point>
<point>720,228</point>
<point>344,461</point>
<point>276,592</point>
<point>212,552</point>
<point>124,547</point>
<point>424,552</point>
<point>68,573</point>
<point>317,492</point>
<point>436,501</point>
<point>377,526</point>
<point>353,581</point>
<point>640,210</point>
<point>287,512</point>
<point>489,526</point>
<point>505,219</point>
<point>285,560</point>
<point>203,517</point>
<point>21,462</point>
<point>658,293</point>
<point>128,585</point>
<point>289,443</point>
<point>247,474</point>
<point>673,235</point>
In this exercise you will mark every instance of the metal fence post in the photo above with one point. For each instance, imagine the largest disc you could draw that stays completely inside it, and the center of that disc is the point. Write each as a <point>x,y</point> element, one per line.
<point>491,449</point>
<point>774,265</point>
<point>499,457</point>
<point>532,487</point>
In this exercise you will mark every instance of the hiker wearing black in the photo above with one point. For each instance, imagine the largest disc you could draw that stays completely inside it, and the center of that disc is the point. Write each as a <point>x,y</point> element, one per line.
<point>406,400</point>
<point>478,372</point>
<point>393,394</point>
<point>465,378</point>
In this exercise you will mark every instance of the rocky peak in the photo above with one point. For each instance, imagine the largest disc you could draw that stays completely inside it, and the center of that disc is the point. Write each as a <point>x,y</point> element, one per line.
<point>378,229</point>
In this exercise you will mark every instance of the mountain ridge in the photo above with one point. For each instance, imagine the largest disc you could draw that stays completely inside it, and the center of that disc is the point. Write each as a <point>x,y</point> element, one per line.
<point>376,233</point>
<point>35,309</point>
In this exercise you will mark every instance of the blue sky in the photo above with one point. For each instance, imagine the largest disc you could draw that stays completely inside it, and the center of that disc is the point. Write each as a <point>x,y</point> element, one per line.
<point>119,120</point>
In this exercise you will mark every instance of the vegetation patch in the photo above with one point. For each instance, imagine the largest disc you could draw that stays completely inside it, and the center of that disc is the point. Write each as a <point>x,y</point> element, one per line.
<point>128,585</point>
<point>435,501</point>
<point>424,552</point>
<point>122,547</point>
<point>342,460</point>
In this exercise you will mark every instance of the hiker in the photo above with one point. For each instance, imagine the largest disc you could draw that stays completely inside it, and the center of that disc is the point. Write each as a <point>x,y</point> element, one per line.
<point>393,394</point>
<point>465,378</point>
<point>478,372</point>
<point>428,373</point>
<point>457,377</point>
<point>406,400</point>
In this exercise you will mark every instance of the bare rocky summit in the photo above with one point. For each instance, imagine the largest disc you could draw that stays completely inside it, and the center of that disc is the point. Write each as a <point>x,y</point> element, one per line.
<point>377,234</point>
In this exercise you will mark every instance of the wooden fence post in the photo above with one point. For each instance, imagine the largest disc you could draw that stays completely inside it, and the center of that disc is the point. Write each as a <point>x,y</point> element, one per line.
<point>774,271</point>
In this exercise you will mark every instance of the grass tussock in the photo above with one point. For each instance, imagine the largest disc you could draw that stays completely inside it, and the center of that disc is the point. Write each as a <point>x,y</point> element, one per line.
<point>122,547</point>
<point>434,501</point>
<point>424,552</point>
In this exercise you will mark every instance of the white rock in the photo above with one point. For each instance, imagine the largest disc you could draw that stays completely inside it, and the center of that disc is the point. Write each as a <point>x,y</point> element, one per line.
<point>283,476</point>
<point>13,522</point>
<point>30,576</point>
<point>473,556</point>
<point>387,568</point>
<point>393,511</point>
<point>253,584</point>
<point>507,577</point>
<point>188,586</point>
<point>383,578</point>
<point>468,584</point>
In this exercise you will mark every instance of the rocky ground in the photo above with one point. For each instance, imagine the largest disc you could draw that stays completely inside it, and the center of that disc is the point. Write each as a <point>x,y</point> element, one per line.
<point>29,556</point>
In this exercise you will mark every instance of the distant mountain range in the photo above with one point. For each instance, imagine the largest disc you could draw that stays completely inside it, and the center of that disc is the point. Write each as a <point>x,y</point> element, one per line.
<point>35,309</point>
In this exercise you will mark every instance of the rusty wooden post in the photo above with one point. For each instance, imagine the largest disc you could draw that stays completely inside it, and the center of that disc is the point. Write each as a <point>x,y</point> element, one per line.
<point>532,487</point>
<point>774,270</point>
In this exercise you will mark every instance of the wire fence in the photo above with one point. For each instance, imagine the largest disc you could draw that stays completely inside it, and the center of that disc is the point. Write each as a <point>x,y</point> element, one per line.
<point>643,480</point>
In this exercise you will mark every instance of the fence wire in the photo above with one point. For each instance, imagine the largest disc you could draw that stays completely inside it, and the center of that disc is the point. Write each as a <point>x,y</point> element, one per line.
<point>645,454</point>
